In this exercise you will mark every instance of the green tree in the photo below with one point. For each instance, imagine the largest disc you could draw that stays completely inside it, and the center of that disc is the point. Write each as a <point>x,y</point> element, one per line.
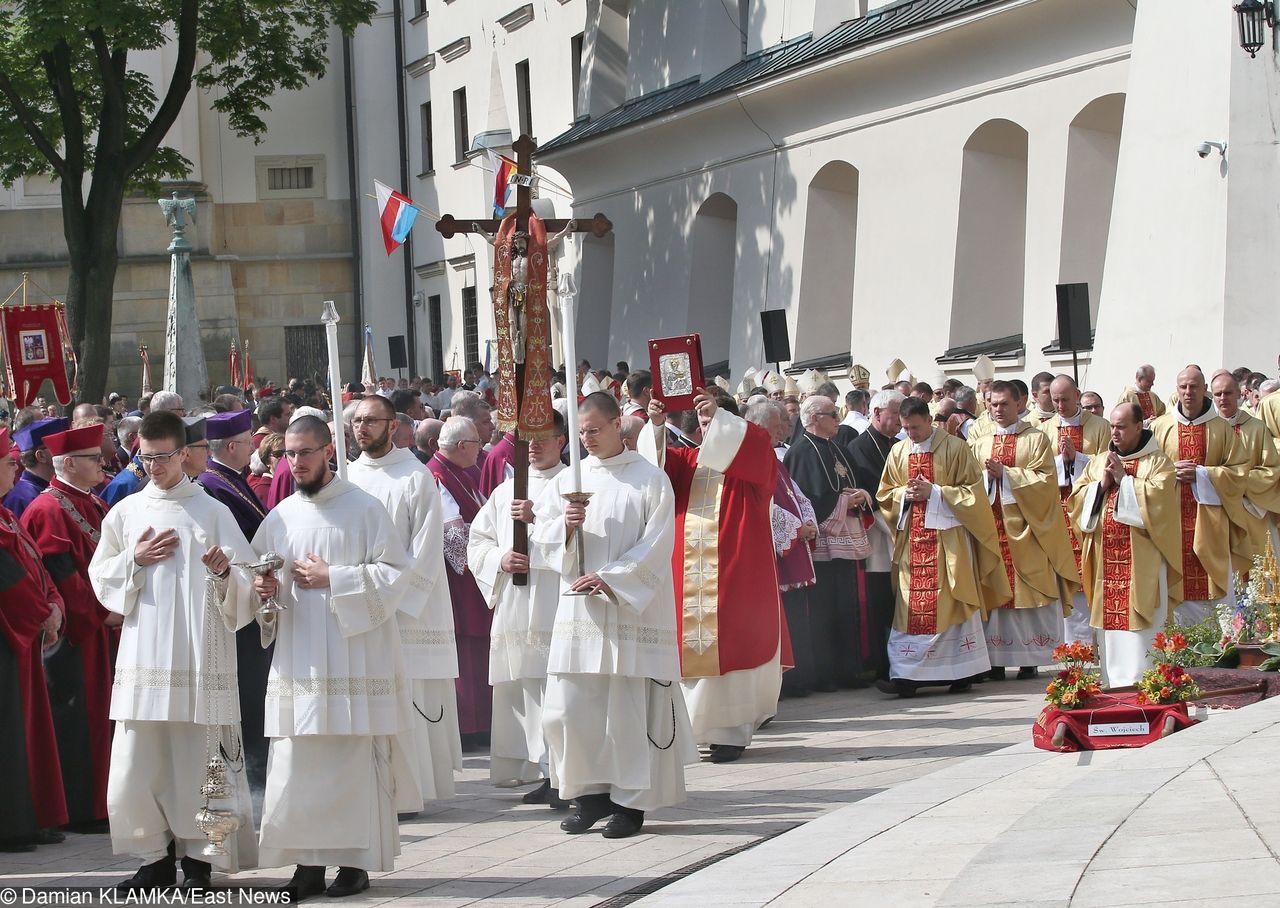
<point>72,109</point>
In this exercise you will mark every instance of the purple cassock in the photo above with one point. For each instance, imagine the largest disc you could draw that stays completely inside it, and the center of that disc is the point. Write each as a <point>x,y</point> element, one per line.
<point>253,662</point>
<point>471,616</point>
<point>228,485</point>
<point>494,471</point>
<point>29,438</point>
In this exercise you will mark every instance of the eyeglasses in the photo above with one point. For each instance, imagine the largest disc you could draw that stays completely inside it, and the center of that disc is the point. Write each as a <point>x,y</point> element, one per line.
<point>276,452</point>
<point>301,452</point>
<point>74,456</point>
<point>370,420</point>
<point>469,441</point>
<point>152,459</point>
<point>198,444</point>
<point>831,413</point>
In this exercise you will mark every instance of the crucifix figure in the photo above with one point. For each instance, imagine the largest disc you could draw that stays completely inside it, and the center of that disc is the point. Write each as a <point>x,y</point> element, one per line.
<point>523,244</point>
<point>517,289</point>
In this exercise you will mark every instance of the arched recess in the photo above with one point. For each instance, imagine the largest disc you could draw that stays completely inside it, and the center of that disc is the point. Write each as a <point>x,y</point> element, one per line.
<point>712,267</point>
<point>1093,148</point>
<point>991,235</point>
<point>824,321</point>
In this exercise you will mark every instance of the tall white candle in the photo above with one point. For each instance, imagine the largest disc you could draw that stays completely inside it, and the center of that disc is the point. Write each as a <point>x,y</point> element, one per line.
<point>331,319</point>
<point>566,290</point>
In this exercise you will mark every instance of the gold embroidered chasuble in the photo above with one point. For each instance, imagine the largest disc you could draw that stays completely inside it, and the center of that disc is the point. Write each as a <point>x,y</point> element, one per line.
<point>1120,564</point>
<point>1262,484</point>
<point>942,576</point>
<point>1032,532</point>
<point>1208,537</point>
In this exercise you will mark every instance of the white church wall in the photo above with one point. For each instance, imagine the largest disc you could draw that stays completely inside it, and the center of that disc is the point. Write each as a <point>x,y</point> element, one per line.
<point>904,130</point>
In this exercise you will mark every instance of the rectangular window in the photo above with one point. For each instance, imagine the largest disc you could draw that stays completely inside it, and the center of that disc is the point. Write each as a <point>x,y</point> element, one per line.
<point>470,326</point>
<point>524,98</point>
<point>575,65</point>
<point>290,176</point>
<point>419,8</point>
<point>428,148</point>
<point>437,335</point>
<point>461,131</point>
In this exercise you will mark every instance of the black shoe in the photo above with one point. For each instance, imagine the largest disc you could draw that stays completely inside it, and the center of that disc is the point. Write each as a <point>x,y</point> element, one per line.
<point>997,673</point>
<point>725,753</point>
<point>624,823</point>
<point>555,802</point>
<point>161,874</point>
<point>48,837</point>
<point>305,882</point>
<point>961,687</point>
<point>196,875</point>
<point>589,810</point>
<point>537,795</point>
<point>899,687</point>
<point>349,881</point>
<point>16,846</point>
<point>1027,672</point>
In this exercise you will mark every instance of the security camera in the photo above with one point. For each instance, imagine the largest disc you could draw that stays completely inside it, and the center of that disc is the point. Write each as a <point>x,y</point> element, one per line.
<point>1205,148</point>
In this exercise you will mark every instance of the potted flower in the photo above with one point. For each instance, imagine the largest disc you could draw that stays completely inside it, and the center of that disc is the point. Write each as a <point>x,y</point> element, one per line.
<point>1075,683</point>
<point>1168,681</point>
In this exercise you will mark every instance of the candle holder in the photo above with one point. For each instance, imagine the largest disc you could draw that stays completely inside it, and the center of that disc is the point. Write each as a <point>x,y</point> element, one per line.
<point>580,543</point>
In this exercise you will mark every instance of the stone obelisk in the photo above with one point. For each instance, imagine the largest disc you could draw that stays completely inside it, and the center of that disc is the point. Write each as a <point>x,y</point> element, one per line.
<point>184,367</point>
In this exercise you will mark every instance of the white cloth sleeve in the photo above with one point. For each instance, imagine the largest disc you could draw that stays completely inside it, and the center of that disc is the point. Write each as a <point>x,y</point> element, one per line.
<point>807,512</point>
<point>1088,517</point>
<point>426,547</point>
<point>363,596</point>
<point>721,441</point>
<point>651,444</point>
<point>785,528</point>
<point>1254,509</point>
<point>938,514</point>
<point>1127,510</point>
<point>904,509</point>
<point>484,553</point>
<point>1081,461</point>
<point>1203,488</point>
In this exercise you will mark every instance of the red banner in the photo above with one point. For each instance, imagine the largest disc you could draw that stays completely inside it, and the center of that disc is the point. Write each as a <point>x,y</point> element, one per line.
<point>33,352</point>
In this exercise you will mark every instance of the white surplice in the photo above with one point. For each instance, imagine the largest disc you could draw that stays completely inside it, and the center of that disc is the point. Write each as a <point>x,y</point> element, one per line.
<point>520,637</point>
<point>337,695</point>
<point>166,692</point>
<point>614,716</point>
<point>409,492</point>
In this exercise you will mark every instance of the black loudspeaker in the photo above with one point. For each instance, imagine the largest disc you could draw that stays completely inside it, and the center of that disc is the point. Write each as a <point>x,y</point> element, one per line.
<point>777,346</point>
<point>399,358</point>
<point>1074,331</point>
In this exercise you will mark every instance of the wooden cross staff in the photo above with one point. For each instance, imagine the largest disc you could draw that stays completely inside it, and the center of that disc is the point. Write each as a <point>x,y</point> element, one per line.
<point>448,226</point>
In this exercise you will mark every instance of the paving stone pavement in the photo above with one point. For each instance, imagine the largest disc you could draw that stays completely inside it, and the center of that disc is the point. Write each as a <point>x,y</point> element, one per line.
<point>820,753</point>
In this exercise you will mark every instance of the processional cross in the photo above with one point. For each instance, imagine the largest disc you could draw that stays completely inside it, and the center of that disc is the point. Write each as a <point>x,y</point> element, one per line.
<point>520,282</point>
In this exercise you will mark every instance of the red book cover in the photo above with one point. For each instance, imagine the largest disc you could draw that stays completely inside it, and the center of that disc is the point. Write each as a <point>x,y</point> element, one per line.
<point>676,365</point>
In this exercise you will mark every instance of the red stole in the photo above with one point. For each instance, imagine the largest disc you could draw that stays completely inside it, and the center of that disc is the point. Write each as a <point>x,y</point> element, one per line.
<point>922,598</point>
<point>1192,445</point>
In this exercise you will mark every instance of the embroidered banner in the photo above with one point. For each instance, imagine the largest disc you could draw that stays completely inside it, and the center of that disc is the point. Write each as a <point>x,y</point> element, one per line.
<point>33,348</point>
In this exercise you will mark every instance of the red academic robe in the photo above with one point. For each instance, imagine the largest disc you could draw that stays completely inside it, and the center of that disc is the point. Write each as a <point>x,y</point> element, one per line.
<point>66,542</point>
<point>26,592</point>
<point>726,580</point>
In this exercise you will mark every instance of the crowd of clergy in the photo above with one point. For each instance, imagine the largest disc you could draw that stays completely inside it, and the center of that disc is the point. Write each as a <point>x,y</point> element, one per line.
<point>184,587</point>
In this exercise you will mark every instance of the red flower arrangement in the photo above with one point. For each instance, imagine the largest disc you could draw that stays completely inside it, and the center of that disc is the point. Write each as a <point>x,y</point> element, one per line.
<point>1166,682</point>
<point>1074,685</point>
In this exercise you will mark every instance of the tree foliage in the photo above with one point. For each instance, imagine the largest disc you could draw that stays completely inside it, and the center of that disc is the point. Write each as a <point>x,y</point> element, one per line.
<point>73,108</point>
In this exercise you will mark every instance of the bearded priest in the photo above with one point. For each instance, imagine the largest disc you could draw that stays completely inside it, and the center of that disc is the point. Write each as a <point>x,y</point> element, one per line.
<point>1034,542</point>
<point>947,552</point>
<point>1211,468</point>
<point>1126,507</point>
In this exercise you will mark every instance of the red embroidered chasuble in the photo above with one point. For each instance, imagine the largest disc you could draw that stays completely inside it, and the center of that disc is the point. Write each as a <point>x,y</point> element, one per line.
<point>1004,448</point>
<point>1192,445</point>
<point>725,573</point>
<point>1117,562</point>
<point>922,598</point>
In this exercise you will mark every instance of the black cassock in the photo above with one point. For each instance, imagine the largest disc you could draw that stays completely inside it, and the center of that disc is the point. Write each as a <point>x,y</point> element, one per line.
<point>869,452</point>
